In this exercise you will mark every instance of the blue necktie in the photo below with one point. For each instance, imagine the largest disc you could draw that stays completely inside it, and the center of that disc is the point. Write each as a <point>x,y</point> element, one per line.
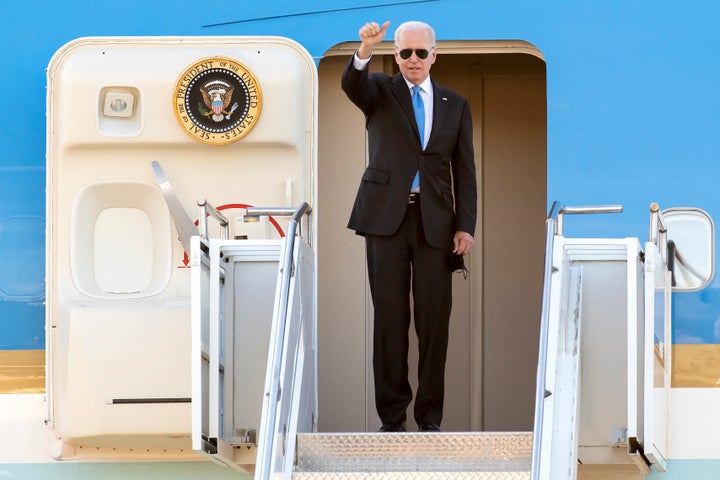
<point>419,108</point>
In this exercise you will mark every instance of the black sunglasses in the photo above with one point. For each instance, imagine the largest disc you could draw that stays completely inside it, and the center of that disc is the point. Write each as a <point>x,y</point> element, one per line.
<point>421,53</point>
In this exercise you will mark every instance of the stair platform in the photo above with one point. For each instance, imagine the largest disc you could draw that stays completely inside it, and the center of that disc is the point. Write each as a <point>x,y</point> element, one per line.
<point>445,455</point>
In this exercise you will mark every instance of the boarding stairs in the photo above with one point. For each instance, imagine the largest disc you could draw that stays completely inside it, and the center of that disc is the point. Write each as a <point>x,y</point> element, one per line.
<point>603,373</point>
<point>602,385</point>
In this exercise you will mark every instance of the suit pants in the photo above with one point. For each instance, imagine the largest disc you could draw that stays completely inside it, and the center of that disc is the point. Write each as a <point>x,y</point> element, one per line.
<point>395,264</point>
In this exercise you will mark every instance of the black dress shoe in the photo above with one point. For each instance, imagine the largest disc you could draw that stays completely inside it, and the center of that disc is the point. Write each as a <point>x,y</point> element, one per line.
<point>393,427</point>
<point>428,427</point>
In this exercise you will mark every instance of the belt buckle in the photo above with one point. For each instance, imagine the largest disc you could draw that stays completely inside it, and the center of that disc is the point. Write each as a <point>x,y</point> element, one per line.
<point>413,198</point>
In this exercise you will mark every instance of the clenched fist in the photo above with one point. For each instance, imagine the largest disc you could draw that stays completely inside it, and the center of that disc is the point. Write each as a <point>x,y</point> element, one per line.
<point>370,35</point>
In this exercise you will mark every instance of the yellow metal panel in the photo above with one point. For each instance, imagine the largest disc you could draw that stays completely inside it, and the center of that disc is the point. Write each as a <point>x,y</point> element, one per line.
<point>22,371</point>
<point>696,366</point>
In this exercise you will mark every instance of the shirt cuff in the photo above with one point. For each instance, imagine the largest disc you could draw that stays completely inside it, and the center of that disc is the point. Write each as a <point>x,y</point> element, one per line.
<point>360,63</point>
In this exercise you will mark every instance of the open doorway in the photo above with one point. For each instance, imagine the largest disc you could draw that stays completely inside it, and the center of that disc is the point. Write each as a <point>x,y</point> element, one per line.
<point>491,367</point>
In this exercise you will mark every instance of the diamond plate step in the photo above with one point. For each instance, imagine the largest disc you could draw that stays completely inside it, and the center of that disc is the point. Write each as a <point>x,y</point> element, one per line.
<point>447,455</point>
<point>412,476</point>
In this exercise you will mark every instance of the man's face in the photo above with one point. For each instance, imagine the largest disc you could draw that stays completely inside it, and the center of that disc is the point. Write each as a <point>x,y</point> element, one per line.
<point>413,68</point>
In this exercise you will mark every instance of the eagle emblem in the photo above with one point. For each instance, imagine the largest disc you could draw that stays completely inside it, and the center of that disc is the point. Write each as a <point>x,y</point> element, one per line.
<point>217,100</point>
<point>217,96</point>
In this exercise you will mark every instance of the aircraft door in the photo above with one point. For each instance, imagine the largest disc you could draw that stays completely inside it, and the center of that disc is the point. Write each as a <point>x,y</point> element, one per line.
<point>230,119</point>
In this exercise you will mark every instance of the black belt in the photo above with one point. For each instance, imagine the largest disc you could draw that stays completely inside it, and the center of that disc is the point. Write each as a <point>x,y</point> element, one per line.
<point>414,198</point>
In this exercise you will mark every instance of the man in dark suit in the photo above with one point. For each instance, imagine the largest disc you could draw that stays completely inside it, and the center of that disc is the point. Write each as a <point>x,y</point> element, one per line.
<point>416,206</point>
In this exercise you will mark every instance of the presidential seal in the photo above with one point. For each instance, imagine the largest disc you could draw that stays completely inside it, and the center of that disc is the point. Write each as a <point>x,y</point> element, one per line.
<point>217,101</point>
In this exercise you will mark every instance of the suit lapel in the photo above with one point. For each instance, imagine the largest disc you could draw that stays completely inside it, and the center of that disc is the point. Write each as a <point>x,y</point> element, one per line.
<point>440,108</point>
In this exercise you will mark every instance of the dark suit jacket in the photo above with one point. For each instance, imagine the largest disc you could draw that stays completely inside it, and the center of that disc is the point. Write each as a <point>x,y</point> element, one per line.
<point>448,188</point>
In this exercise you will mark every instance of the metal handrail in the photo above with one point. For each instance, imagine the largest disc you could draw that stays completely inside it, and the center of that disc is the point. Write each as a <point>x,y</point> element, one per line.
<point>541,391</point>
<point>205,210</point>
<point>274,393</point>
<point>183,223</point>
<point>253,213</point>
<point>658,231</point>
<point>268,211</point>
<point>582,210</point>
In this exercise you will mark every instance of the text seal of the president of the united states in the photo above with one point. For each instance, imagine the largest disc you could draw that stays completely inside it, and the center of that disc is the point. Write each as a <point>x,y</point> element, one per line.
<point>217,100</point>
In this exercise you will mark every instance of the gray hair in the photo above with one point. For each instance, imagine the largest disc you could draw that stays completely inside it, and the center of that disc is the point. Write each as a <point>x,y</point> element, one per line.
<point>414,25</point>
